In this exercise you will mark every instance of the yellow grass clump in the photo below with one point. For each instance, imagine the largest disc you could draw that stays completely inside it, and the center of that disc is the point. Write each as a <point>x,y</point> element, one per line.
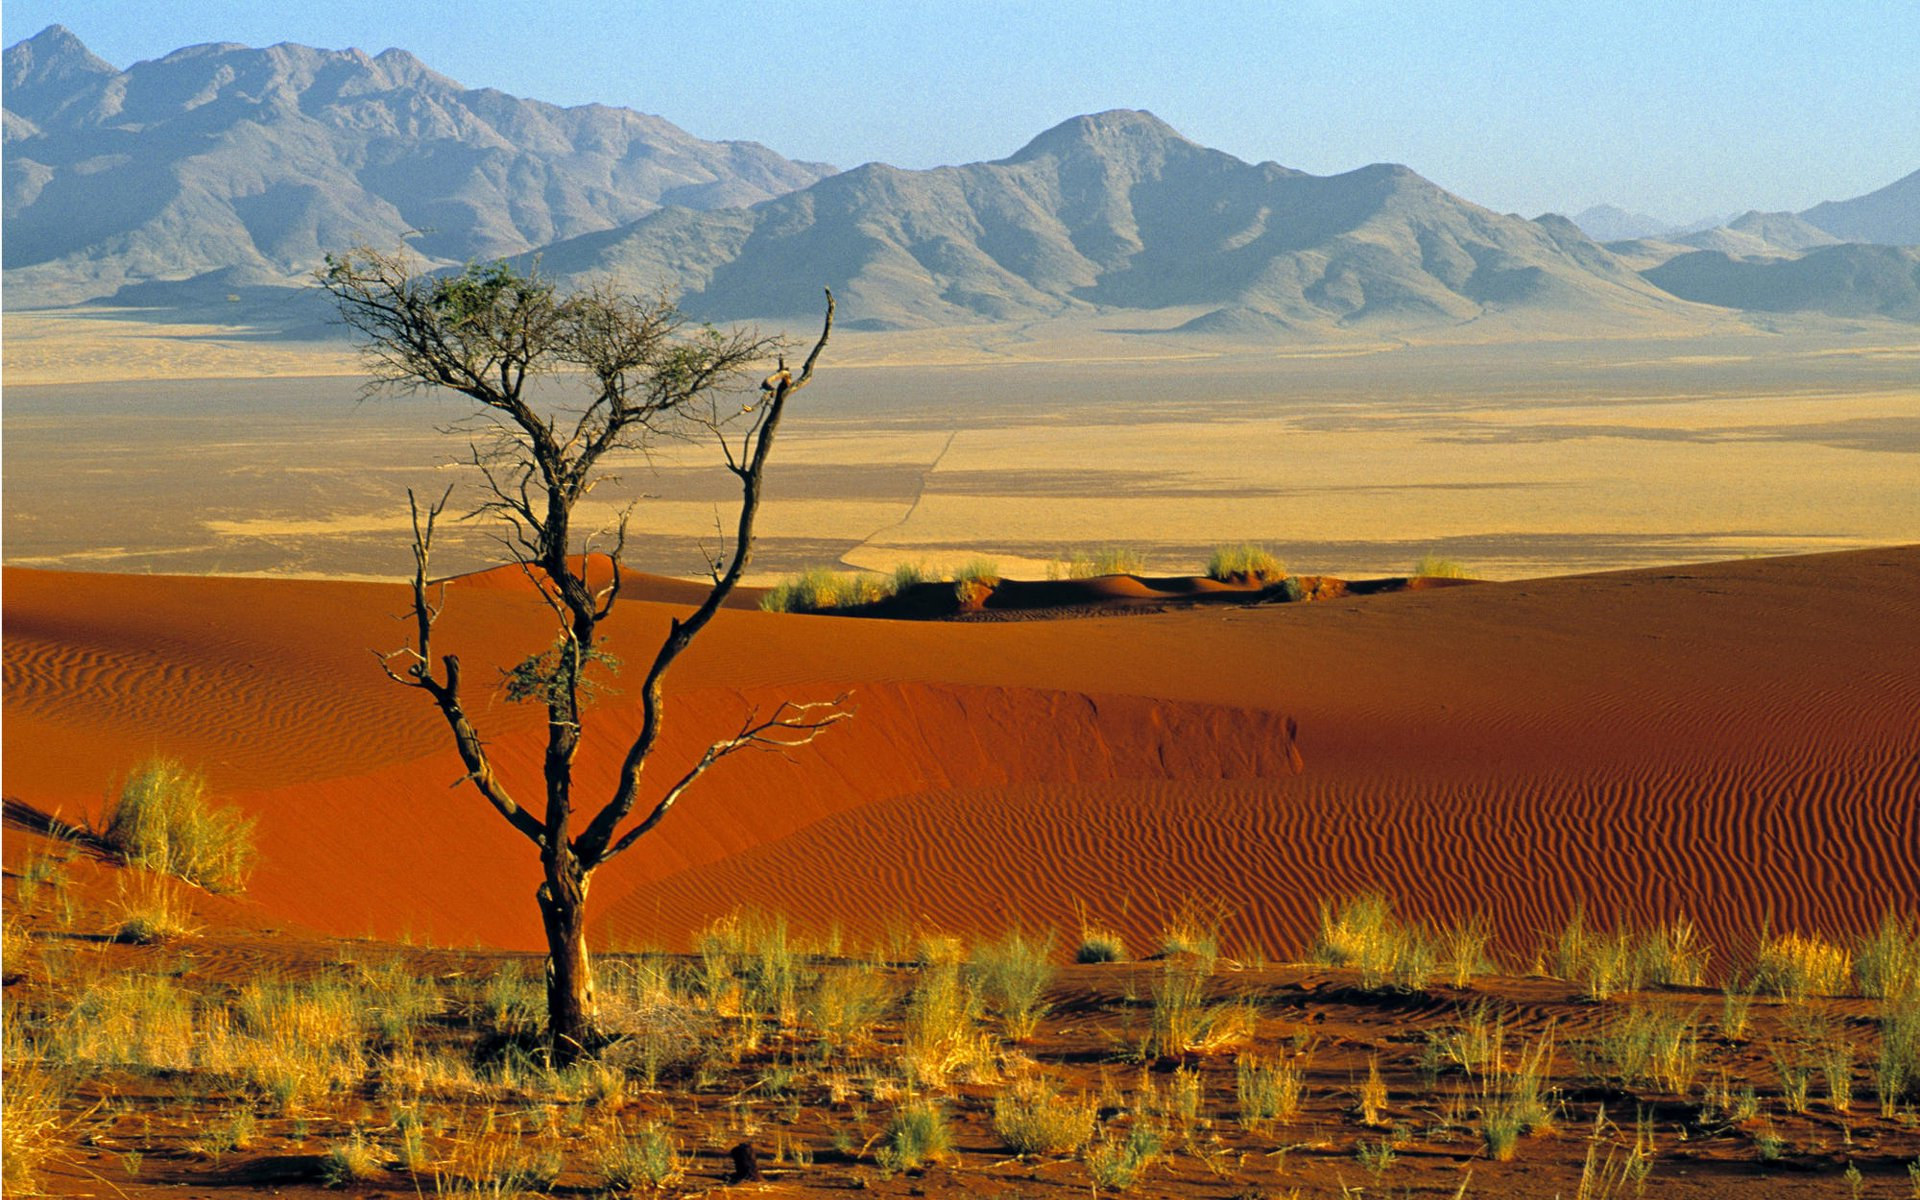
<point>1795,966</point>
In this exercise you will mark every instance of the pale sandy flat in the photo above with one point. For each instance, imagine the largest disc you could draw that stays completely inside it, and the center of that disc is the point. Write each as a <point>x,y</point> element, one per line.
<point>1520,459</point>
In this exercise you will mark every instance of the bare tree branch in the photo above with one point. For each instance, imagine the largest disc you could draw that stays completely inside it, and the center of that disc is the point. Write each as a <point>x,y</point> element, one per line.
<point>592,844</point>
<point>446,693</point>
<point>792,725</point>
<point>488,333</point>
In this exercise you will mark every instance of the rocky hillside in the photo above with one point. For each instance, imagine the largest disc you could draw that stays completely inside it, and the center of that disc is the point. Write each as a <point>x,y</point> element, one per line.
<point>254,162</point>
<point>1117,211</point>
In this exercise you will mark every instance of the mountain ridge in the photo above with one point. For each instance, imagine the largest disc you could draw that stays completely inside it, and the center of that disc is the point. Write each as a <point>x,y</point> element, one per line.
<point>255,162</point>
<point>1114,210</point>
<point>213,179</point>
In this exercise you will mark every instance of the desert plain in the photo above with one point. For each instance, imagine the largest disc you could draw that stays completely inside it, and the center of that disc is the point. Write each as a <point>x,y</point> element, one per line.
<point>1539,910</point>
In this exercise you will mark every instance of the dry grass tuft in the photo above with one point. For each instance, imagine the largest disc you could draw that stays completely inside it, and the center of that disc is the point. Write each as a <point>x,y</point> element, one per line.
<point>1032,1117</point>
<point>1362,932</point>
<point>162,820</point>
<point>151,910</point>
<point>32,1127</point>
<point>1092,564</point>
<point>1245,562</point>
<point>1012,976</point>
<point>915,1136</point>
<point>818,589</point>
<point>1794,966</point>
<point>1432,566</point>
<point>1269,1091</point>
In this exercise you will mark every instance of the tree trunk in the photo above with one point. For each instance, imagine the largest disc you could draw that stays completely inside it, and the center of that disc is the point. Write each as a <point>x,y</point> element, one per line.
<point>570,1012</point>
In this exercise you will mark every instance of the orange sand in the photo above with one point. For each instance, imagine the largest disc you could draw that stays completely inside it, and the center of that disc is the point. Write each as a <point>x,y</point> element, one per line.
<point>1731,741</point>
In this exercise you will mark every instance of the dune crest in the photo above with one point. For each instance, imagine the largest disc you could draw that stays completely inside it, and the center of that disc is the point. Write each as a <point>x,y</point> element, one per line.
<point>1722,740</point>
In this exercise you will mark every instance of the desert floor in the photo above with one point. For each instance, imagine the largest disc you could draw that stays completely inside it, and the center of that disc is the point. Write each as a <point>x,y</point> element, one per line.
<point>1519,458</point>
<point>1679,722</point>
<point>1737,744</point>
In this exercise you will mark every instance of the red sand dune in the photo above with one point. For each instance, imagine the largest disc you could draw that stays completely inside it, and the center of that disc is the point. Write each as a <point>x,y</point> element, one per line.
<point>1731,741</point>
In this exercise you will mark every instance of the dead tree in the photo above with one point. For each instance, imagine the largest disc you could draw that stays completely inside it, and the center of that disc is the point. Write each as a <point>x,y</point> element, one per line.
<point>488,334</point>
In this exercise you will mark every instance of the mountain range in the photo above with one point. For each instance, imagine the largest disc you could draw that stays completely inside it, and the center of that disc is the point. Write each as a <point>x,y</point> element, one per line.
<point>1887,217</point>
<point>255,163</point>
<point>221,173</point>
<point>1116,211</point>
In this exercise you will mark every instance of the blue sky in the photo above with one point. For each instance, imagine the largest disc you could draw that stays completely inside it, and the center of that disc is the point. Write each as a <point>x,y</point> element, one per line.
<point>1679,108</point>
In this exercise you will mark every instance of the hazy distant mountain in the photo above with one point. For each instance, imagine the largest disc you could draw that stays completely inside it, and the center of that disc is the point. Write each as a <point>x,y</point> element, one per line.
<point>222,158</point>
<point>1608,223</point>
<point>1890,216</point>
<point>1850,280</point>
<point>1760,235</point>
<point>1116,211</point>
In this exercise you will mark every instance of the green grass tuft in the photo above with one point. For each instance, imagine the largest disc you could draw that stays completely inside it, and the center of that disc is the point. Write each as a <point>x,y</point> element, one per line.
<point>1245,562</point>
<point>1432,566</point>
<point>817,589</point>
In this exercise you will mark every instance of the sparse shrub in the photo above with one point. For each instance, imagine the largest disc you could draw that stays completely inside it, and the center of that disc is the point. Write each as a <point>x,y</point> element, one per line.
<point>413,1139</point>
<point>131,1021</point>
<point>1178,1102</point>
<point>1432,566</point>
<point>1836,1065</point>
<point>1108,560</point>
<point>1896,1072</point>
<point>917,1134</point>
<point>1796,1080</point>
<point>1647,1046</point>
<point>1463,951</point>
<point>1375,1156</point>
<point>1269,1091</point>
<point>1373,1095</point>
<point>1475,1046</point>
<point>1794,966</point>
<point>38,869</point>
<point>16,945</point>
<point>496,1162</point>
<point>1616,1175</point>
<point>150,911</point>
<point>941,1037</point>
<point>296,1043</point>
<point>512,1003</point>
<point>974,581</point>
<point>1736,1009</point>
<point>1183,1021</point>
<point>1100,946</point>
<point>1032,1117</point>
<point>1501,1130</point>
<point>1115,1165</point>
<point>1515,1102</point>
<point>1362,932</point>
<point>1194,930</point>
<point>163,821</point>
<point>1245,562</point>
<point>355,1160</point>
<point>847,1003</point>
<point>909,575</point>
<point>818,588</point>
<point>935,949</point>
<point>1672,954</point>
<point>1012,975</point>
<point>1602,962</point>
<point>1887,961</point>
<point>649,1157</point>
<point>30,1122</point>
